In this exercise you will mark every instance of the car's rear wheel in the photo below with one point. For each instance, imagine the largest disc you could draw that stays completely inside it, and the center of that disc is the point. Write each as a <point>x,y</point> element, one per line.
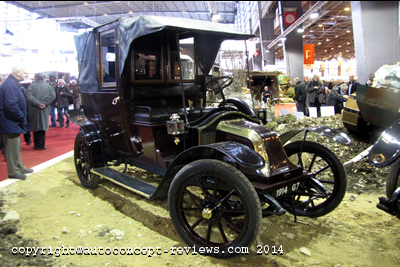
<point>323,193</point>
<point>82,159</point>
<point>214,206</point>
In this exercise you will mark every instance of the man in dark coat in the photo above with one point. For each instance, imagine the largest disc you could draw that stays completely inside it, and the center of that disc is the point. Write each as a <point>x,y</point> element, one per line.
<point>13,112</point>
<point>300,95</point>
<point>315,93</point>
<point>40,95</point>
<point>336,97</point>
<point>62,103</point>
<point>352,85</point>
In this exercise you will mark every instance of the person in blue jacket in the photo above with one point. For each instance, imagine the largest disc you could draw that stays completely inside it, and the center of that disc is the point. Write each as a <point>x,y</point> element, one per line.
<point>13,112</point>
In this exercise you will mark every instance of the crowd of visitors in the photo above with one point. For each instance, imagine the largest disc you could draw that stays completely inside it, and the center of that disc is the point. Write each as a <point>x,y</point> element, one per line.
<point>317,93</point>
<point>26,109</point>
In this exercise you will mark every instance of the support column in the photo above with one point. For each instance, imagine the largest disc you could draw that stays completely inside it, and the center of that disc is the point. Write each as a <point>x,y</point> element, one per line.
<point>376,35</point>
<point>267,35</point>
<point>293,46</point>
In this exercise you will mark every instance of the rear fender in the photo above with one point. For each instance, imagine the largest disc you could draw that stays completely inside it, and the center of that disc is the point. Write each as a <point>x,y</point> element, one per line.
<point>95,144</point>
<point>240,154</point>
<point>335,135</point>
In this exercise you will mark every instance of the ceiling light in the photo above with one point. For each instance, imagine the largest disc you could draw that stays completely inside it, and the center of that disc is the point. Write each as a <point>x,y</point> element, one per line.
<point>216,17</point>
<point>348,31</point>
<point>327,40</point>
<point>283,38</point>
<point>347,9</point>
<point>300,30</point>
<point>130,12</point>
<point>314,15</point>
<point>332,48</point>
<point>320,25</point>
<point>105,14</point>
<point>336,36</point>
<point>267,51</point>
<point>319,43</point>
<point>348,43</point>
<point>339,46</point>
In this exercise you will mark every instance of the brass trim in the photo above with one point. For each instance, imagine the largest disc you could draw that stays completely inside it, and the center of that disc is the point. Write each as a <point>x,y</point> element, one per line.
<point>252,135</point>
<point>215,119</point>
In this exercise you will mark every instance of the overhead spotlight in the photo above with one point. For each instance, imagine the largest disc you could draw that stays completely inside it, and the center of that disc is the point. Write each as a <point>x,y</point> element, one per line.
<point>347,9</point>
<point>300,30</point>
<point>314,15</point>
<point>216,17</point>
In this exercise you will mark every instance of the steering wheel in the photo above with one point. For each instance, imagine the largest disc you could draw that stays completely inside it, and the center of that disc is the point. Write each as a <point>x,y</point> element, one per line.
<point>218,83</point>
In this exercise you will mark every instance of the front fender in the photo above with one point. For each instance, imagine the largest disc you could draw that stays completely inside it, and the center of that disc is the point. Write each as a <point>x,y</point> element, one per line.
<point>335,135</point>
<point>386,149</point>
<point>236,152</point>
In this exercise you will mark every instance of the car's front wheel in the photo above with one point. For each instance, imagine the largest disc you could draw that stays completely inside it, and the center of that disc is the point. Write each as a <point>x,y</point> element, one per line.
<point>214,208</point>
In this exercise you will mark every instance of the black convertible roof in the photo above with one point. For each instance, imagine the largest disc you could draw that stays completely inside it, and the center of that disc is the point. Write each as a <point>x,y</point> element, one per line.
<point>130,29</point>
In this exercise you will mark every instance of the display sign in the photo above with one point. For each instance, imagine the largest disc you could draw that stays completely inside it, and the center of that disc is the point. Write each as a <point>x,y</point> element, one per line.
<point>308,52</point>
<point>257,53</point>
<point>289,18</point>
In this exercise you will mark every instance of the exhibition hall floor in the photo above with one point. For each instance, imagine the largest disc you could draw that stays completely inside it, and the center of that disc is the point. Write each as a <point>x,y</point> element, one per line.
<point>60,144</point>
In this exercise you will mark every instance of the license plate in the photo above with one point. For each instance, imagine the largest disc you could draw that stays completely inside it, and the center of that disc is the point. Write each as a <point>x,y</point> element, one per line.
<point>286,190</point>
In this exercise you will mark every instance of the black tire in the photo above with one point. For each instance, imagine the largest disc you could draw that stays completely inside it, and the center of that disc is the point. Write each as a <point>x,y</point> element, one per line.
<point>323,193</point>
<point>392,179</point>
<point>219,218</point>
<point>82,159</point>
<point>241,106</point>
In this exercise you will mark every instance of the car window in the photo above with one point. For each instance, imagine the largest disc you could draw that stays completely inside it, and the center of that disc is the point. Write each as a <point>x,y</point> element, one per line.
<point>147,58</point>
<point>107,51</point>
<point>186,53</point>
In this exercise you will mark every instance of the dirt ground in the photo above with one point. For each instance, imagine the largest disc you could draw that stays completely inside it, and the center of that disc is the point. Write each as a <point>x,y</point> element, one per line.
<point>56,211</point>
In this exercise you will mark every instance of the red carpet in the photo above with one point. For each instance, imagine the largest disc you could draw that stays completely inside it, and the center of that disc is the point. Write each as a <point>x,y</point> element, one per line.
<point>58,142</point>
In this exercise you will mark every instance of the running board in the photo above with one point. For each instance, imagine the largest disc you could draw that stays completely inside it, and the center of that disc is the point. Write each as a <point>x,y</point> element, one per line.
<point>126,181</point>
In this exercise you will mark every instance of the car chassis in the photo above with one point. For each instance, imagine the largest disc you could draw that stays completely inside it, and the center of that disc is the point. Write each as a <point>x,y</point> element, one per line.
<point>222,170</point>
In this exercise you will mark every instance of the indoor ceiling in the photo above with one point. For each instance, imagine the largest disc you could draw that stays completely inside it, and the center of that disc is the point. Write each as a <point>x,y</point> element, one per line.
<point>331,32</point>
